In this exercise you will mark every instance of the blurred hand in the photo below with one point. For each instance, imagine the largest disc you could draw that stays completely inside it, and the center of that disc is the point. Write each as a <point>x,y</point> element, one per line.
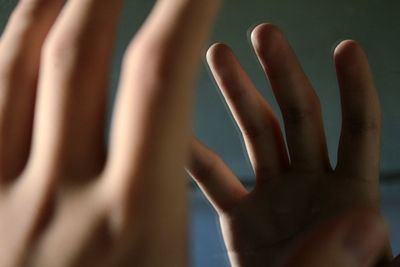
<point>295,187</point>
<point>66,199</point>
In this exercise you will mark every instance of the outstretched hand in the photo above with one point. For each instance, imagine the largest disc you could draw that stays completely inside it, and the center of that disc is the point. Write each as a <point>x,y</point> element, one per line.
<point>66,199</point>
<point>353,239</point>
<point>296,187</point>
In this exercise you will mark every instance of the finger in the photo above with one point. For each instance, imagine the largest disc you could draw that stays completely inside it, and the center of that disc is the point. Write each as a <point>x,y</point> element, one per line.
<point>216,180</point>
<point>151,123</point>
<point>355,240</point>
<point>20,50</point>
<point>297,100</point>
<point>151,126</point>
<point>360,138</point>
<point>256,120</point>
<point>69,129</point>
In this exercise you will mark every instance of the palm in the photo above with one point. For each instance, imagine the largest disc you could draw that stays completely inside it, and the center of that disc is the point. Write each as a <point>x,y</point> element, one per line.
<point>295,184</point>
<point>271,217</point>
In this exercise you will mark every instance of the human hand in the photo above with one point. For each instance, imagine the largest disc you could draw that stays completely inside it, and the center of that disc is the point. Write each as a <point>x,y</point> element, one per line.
<point>355,239</point>
<point>294,189</point>
<point>66,199</point>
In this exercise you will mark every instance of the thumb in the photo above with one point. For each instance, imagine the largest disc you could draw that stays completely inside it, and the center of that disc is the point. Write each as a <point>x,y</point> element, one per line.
<point>350,240</point>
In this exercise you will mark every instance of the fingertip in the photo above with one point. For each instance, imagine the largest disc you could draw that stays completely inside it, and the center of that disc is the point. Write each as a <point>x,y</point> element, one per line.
<point>264,35</point>
<point>348,51</point>
<point>264,30</point>
<point>345,45</point>
<point>217,53</point>
<point>250,31</point>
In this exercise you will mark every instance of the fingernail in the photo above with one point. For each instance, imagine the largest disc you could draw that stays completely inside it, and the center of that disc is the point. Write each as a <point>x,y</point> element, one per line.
<point>363,238</point>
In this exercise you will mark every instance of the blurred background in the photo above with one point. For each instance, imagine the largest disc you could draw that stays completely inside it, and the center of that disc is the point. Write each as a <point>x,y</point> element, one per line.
<point>313,27</point>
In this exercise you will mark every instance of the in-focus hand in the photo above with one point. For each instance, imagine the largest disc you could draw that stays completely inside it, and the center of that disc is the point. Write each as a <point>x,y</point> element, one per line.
<point>353,239</point>
<point>295,187</point>
<point>66,198</point>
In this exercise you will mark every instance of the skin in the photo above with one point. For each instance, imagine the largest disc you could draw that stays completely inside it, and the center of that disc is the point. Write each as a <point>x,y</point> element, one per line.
<point>296,186</point>
<point>65,197</point>
<point>350,240</point>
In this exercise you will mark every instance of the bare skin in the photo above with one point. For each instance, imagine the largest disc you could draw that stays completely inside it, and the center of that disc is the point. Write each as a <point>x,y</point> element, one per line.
<point>295,187</point>
<point>354,239</point>
<point>66,199</point>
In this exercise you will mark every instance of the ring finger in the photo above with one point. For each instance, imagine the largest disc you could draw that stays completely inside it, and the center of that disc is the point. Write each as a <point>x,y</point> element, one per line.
<point>20,50</point>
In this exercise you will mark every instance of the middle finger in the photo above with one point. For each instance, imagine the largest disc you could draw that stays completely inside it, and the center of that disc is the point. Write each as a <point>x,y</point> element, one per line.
<point>297,100</point>
<point>71,108</point>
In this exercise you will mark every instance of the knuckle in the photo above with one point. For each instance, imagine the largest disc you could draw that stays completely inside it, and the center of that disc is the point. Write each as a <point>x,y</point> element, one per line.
<point>208,169</point>
<point>297,115</point>
<point>358,125</point>
<point>13,67</point>
<point>235,94</point>
<point>11,72</point>
<point>66,46</point>
<point>262,170</point>
<point>63,49</point>
<point>32,10</point>
<point>254,131</point>
<point>5,74</point>
<point>150,59</point>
